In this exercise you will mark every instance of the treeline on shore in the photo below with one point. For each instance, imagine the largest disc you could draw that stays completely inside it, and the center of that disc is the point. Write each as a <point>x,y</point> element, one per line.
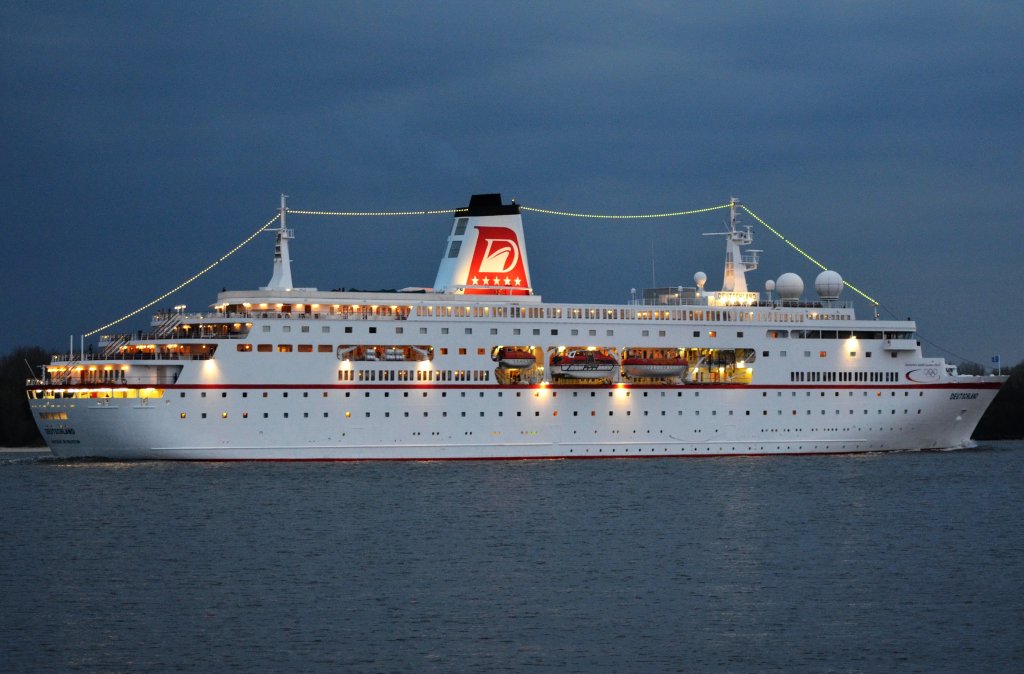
<point>1004,419</point>
<point>17,428</point>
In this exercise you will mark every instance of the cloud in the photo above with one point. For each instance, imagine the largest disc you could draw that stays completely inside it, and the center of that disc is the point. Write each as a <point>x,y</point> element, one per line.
<point>155,136</point>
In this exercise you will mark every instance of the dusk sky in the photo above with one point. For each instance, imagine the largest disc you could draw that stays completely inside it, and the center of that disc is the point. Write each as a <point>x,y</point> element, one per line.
<point>141,141</point>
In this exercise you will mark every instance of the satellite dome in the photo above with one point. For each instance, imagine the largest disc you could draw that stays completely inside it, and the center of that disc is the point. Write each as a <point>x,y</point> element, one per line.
<point>790,286</point>
<point>700,278</point>
<point>829,284</point>
<point>769,285</point>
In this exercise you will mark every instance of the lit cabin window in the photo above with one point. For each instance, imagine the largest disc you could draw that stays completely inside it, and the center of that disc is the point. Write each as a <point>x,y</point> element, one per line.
<point>243,347</point>
<point>284,348</point>
<point>264,348</point>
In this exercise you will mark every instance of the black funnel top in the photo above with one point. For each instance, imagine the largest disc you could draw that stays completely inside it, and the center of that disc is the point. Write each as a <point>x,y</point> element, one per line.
<point>489,204</point>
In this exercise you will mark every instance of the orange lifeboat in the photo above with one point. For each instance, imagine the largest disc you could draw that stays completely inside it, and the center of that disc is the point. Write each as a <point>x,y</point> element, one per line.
<point>654,368</point>
<point>511,358</point>
<point>583,365</point>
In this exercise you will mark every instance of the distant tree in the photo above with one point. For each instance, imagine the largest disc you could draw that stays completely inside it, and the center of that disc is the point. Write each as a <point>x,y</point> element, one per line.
<point>1004,418</point>
<point>970,367</point>
<point>17,429</point>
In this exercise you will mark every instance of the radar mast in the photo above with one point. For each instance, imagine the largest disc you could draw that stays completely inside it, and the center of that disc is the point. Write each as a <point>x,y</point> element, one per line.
<point>282,278</point>
<point>736,262</point>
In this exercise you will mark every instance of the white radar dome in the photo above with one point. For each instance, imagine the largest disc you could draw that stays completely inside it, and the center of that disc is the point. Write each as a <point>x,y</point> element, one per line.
<point>769,285</point>
<point>790,286</point>
<point>700,278</point>
<point>829,284</point>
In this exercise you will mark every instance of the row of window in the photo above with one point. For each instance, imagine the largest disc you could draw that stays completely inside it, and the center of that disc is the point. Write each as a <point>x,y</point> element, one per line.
<point>840,334</point>
<point>285,348</point>
<point>836,376</point>
<point>430,375</point>
<point>771,334</point>
<point>366,352</point>
<point>554,394</point>
<point>595,313</point>
<point>823,354</point>
<point>536,413</point>
<point>360,311</point>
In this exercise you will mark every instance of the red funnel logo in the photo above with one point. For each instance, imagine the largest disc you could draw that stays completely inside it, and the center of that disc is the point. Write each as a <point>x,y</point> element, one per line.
<point>497,266</point>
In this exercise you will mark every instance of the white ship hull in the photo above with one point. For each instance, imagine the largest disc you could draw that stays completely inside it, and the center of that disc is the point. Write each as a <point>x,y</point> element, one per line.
<point>506,422</point>
<point>287,373</point>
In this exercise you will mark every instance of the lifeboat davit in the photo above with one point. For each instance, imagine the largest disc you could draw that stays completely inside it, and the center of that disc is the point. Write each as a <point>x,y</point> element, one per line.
<point>515,359</point>
<point>583,365</point>
<point>654,368</point>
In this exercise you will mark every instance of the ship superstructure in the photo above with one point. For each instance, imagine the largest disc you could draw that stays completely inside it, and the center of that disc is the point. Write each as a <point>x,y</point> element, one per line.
<point>478,367</point>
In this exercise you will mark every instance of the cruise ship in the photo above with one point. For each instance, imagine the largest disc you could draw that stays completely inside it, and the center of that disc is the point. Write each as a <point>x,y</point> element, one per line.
<point>478,366</point>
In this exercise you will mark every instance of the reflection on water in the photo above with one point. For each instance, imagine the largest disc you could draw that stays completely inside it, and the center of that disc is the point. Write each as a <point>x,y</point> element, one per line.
<point>858,562</point>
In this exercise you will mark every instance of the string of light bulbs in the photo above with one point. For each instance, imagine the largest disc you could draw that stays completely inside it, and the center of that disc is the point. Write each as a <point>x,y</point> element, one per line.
<point>193,278</point>
<point>448,211</point>
<point>624,217</point>
<point>805,254</point>
<point>704,210</point>
<point>361,214</point>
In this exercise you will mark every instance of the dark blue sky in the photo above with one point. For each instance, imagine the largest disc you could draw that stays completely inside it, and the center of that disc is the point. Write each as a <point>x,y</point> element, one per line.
<point>143,140</point>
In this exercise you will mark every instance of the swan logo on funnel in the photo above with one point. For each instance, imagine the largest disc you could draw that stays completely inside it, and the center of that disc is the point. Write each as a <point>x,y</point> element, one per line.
<point>497,266</point>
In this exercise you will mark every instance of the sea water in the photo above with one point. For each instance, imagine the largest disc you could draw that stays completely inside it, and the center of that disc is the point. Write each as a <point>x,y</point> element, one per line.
<point>910,561</point>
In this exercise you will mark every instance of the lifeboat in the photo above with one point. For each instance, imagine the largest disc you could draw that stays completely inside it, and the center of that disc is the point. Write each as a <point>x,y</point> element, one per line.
<point>394,353</point>
<point>583,365</point>
<point>511,358</point>
<point>654,368</point>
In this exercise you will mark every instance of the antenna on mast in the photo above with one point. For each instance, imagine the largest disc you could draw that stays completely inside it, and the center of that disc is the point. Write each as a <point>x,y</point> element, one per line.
<point>654,283</point>
<point>282,278</point>
<point>737,263</point>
